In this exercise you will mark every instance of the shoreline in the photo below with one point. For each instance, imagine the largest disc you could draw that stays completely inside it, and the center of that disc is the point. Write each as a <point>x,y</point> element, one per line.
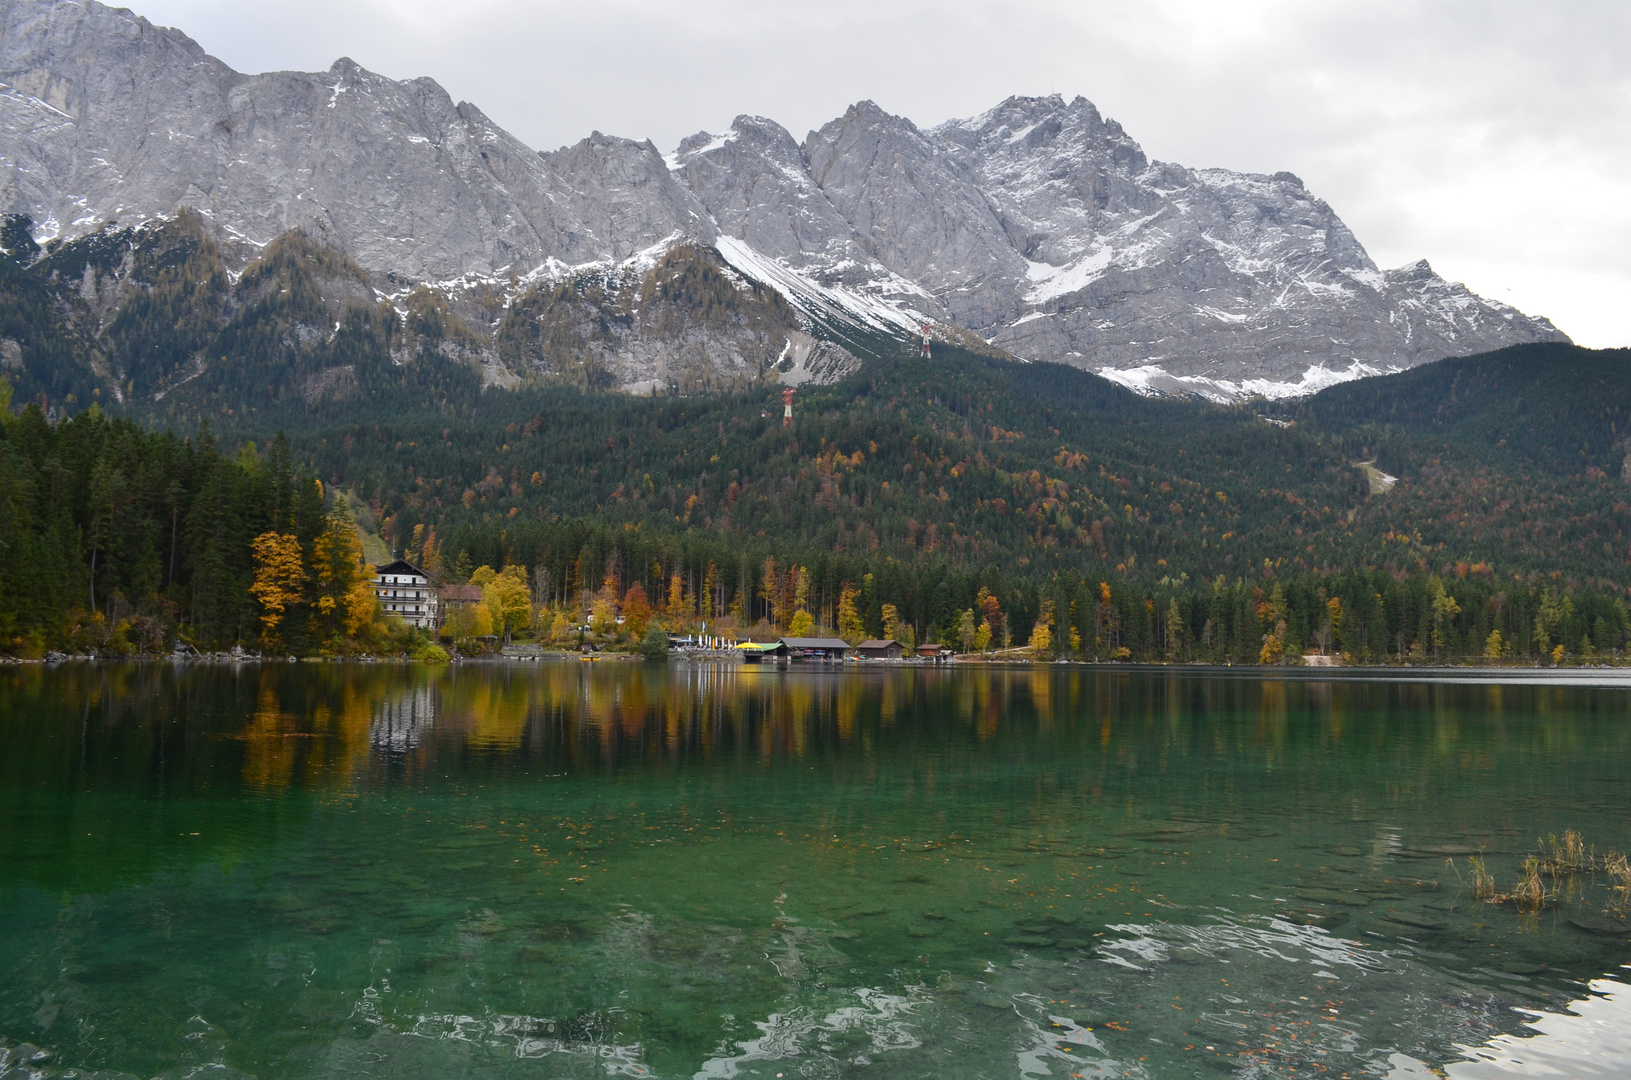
<point>1607,672</point>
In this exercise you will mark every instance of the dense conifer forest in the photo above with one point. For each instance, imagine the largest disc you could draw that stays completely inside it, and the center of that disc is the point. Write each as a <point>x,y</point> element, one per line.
<point>121,540</point>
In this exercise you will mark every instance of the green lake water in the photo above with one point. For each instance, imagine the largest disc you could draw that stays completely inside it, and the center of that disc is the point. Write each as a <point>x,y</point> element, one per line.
<point>567,869</point>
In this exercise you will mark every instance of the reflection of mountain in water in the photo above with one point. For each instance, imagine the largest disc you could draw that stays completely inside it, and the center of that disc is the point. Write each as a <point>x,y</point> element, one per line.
<point>401,721</point>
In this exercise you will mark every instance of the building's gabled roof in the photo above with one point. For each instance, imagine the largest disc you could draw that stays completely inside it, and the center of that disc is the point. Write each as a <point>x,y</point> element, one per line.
<point>400,566</point>
<point>461,594</point>
<point>815,643</point>
<point>880,644</point>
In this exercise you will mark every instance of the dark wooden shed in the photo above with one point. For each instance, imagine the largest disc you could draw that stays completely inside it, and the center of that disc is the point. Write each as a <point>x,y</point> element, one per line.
<point>816,648</point>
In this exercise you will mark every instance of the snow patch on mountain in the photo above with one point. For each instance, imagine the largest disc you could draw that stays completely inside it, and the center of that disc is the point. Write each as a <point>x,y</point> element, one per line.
<point>1052,282</point>
<point>822,303</point>
<point>1152,380</point>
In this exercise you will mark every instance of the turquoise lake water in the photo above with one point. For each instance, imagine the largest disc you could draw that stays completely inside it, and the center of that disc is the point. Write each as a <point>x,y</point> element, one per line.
<point>565,869</point>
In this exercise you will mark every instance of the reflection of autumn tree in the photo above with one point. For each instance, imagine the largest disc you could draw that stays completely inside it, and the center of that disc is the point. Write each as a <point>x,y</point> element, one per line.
<point>800,705</point>
<point>329,743</point>
<point>1271,715</point>
<point>887,704</point>
<point>988,717</point>
<point>851,692</point>
<point>1042,696</point>
<point>271,739</point>
<point>344,757</point>
<point>674,721</point>
<point>635,702</point>
<point>499,710</point>
<point>600,700</point>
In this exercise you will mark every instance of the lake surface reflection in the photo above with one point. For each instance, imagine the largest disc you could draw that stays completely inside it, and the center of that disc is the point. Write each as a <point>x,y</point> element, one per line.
<point>562,869</point>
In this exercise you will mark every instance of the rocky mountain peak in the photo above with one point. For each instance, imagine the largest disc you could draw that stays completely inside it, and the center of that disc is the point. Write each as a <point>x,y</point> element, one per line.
<point>624,194</point>
<point>1038,225</point>
<point>1419,271</point>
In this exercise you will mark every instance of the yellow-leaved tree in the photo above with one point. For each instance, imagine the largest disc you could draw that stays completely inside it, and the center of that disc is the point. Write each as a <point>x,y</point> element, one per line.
<point>897,629</point>
<point>603,616</point>
<point>677,612</point>
<point>344,596</point>
<point>802,624</point>
<point>850,626</point>
<point>280,578</point>
<point>465,621</point>
<point>507,597</point>
<point>1042,632</point>
<point>1445,610</point>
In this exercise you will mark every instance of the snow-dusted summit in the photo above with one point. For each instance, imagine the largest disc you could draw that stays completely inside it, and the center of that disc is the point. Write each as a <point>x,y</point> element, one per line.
<point>1039,225</point>
<point>1045,229</point>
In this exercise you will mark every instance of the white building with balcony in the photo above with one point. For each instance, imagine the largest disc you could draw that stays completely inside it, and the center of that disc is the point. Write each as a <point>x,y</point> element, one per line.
<point>405,591</point>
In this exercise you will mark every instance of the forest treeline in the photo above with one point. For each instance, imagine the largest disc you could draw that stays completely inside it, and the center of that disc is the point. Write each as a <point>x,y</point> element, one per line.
<point>119,540</point>
<point>1470,614</point>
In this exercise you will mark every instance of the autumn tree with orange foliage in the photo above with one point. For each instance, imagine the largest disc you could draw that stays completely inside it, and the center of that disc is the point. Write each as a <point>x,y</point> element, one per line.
<point>280,579</point>
<point>636,611</point>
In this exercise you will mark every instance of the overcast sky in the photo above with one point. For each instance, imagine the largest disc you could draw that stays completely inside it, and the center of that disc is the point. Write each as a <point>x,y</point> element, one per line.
<point>1492,138</point>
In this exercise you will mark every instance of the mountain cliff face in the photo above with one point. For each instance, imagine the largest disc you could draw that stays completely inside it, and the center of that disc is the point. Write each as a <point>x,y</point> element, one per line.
<point>104,116</point>
<point>1039,226</point>
<point>1045,229</point>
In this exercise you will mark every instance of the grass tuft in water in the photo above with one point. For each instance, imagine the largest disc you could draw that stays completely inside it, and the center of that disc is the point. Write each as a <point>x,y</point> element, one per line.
<point>1568,855</point>
<point>1618,869</point>
<point>1531,892</point>
<point>1483,882</point>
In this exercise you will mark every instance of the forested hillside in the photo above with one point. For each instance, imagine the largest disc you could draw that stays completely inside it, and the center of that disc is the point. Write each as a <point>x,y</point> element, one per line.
<point>1168,528</point>
<point>1037,468</point>
<point>1552,409</point>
